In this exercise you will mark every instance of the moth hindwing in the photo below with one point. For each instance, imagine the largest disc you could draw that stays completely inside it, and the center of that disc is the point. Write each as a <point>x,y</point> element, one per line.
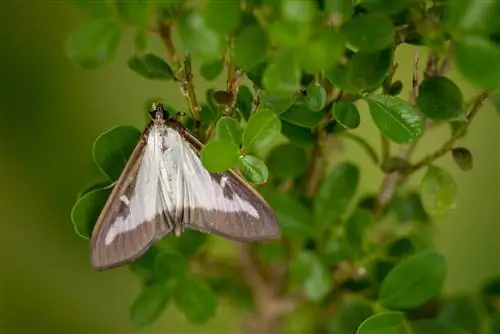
<point>165,188</point>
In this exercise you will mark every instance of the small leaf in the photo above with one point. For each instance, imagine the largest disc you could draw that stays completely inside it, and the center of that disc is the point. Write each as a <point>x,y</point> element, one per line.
<point>462,312</point>
<point>188,245</point>
<point>395,118</point>
<point>250,46</point>
<point>287,161</point>
<point>298,11</point>
<point>276,103</point>
<point>93,186</point>
<point>149,304</point>
<point>141,41</point>
<point>198,39</point>
<point>409,207</point>
<point>282,75</point>
<point>256,72</point>
<point>134,12</point>
<point>262,127</point>
<point>395,88</point>
<point>366,71</point>
<point>495,100</point>
<point>302,116</point>
<point>220,155</point>
<point>322,51</point>
<point>346,114</point>
<point>478,59</point>
<point>230,129</point>
<point>463,158</point>
<point>86,210</point>
<point>440,99</point>
<point>369,32</point>
<point>143,267</point>
<point>414,281</point>
<point>351,314</point>
<point>112,149</point>
<point>94,43</point>
<point>340,11</point>
<point>355,228</point>
<point>271,252</point>
<point>195,299</point>
<point>315,97</point>
<point>385,322</point>
<point>295,219</point>
<point>253,169</point>
<point>336,192</point>
<point>151,66</point>
<point>431,326</point>
<point>222,16</point>
<point>211,70</point>
<point>222,98</point>
<point>244,102</point>
<point>308,270</point>
<point>297,135</point>
<point>169,265</point>
<point>289,35</point>
<point>438,191</point>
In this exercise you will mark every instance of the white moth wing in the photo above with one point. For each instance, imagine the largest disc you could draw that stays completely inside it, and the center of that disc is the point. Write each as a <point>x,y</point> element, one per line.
<point>134,216</point>
<point>221,203</point>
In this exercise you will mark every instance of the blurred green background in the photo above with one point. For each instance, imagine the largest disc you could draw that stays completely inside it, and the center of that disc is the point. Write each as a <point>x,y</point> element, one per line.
<point>51,112</point>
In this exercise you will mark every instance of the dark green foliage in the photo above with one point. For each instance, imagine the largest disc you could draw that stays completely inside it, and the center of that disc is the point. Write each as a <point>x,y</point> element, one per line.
<point>294,73</point>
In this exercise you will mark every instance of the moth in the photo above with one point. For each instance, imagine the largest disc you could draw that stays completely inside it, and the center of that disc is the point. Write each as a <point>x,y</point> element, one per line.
<point>164,188</point>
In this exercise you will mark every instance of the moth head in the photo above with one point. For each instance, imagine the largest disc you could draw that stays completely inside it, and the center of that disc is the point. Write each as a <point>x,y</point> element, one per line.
<point>158,112</point>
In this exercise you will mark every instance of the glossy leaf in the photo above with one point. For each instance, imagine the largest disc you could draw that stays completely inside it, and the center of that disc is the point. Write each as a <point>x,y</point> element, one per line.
<point>262,128</point>
<point>222,16</point>
<point>298,11</point>
<point>250,46</point>
<point>87,209</point>
<point>298,135</point>
<point>340,10</point>
<point>94,43</point>
<point>149,304</point>
<point>395,118</point>
<point>211,70</point>
<point>244,102</point>
<point>367,71</point>
<point>198,39</point>
<point>385,322</point>
<point>93,186</point>
<point>438,191</point>
<point>478,59</point>
<point>414,281</point>
<point>220,155</point>
<point>462,312</point>
<point>195,299</point>
<point>355,228</point>
<point>315,98</point>
<point>352,312</point>
<point>287,160</point>
<point>228,128</point>
<point>463,158</point>
<point>302,116</point>
<point>133,12</point>
<point>336,192</point>
<point>431,326</point>
<point>151,66</point>
<point>169,265</point>
<point>253,169</point>
<point>282,76</point>
<point>440,99</point>
<point>369,32</point>
<point>346,114</point>
<point>112,149</point>
<point>409,207</point>
<point>321,51</point>
<point>308,270</point>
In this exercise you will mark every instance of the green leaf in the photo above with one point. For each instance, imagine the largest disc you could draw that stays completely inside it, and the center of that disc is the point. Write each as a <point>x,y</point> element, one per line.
<point>295,219</point>
<point>495,101</point>
<point>253,169</point>
<point>315,97</point>
<point>495,323</point>
<point>244,102</point>
<point>188,245</point>
<point>212,112</point>
<point>113,148</point>
<point>228,128</point>
<point>478,59</point>
<point>222,16</point>
<point>86,210</point>
<point>141,41</point>
<point>490,295</point>
<point>351,314</point>
<point>282,75</point>
<point>297,135</point>
<point>169,265</point>
<point>463,158</point>
<point>276,103</point>
<point>195,299</point>
<point>385,322</point>
<point>134,12</point>
<point>211,70</point>
<point>256,72</point>
<point>287,161</point>
<point>151,66</point>
<point>222,98</point>
<point>250,46</point>
<point>198,39</point>
<point>409,207</point>
<point>369,32</point>
<point>287,35</point>
<point>94,9</point>
<point>144,265</point>
<point>302,116</point>
<point>149,304</point>
<point>336,192</point>
<point>308,270</point>
<point>431,326</point>
<point>367,71</point>
<point>355,228</point>
<point>94,43</point>
<point>322,51</point>
<point>220,155</point>
<point>395,88</point>
<point>438,191</point>
<point>395,118</point>
<point>340,10</point>
<point>271,252</point>
<point>406,246</point>
<point>298,11</point>
<point>93,186</point>
<point>262,128</point>
<point>389,6</point>
<point>472,15</point>
<point>413,281</point>
<point>440,99</point>
<point>346,114</point>
<point>462,312</point>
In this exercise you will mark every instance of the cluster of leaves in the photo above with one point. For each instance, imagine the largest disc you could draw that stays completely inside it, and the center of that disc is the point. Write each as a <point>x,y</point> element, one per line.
<point>308,64</point>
